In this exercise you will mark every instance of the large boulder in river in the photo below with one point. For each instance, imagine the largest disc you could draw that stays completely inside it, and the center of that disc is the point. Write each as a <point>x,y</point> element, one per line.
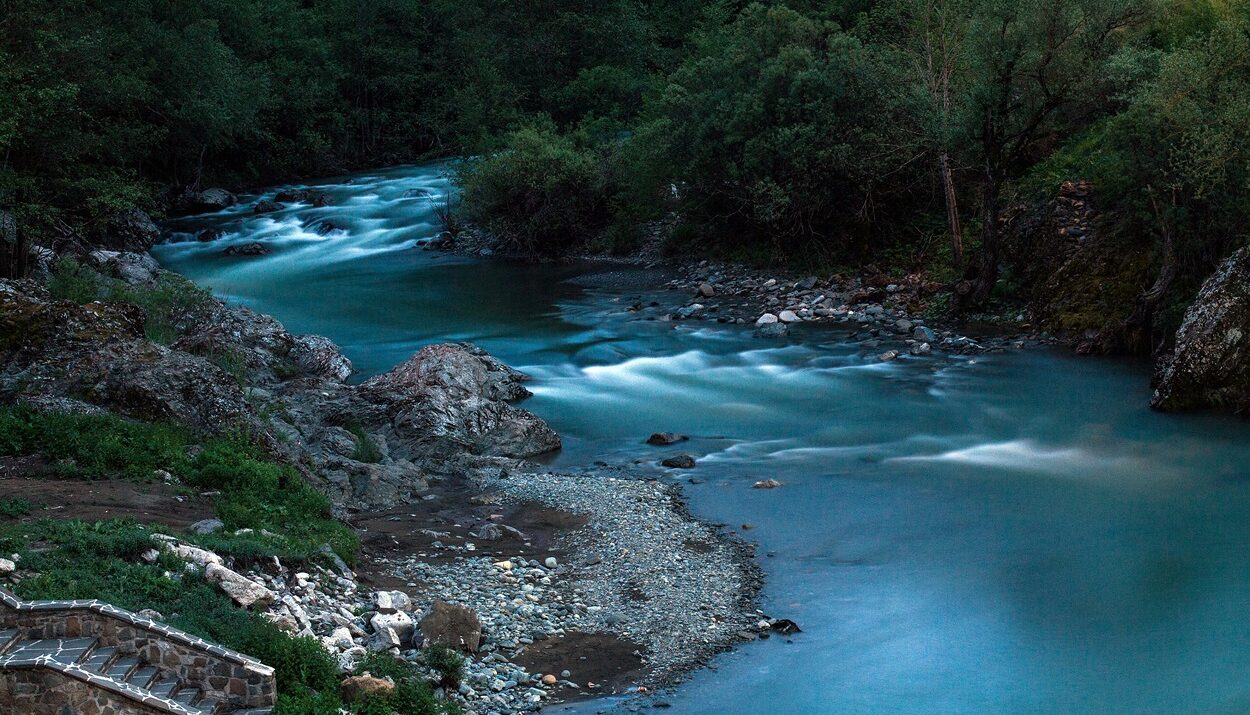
<point>457,393</point>
<point>211,200</point>
<point>1210,366</point>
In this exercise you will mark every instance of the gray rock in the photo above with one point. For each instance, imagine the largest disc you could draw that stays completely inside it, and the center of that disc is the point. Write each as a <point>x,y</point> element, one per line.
<point>128,230</point>
<point>788,316</point>
<point>391,601</point>
<point>453,625</point>
<point>206,526</point>
<point>212,200</point>
<point>265,206</point>
<point>663,439</point>
<point>252,248</point>
<point>680,461</point>
<point>766,319</point>
<point>772,330</point>
<point>1210,366</point>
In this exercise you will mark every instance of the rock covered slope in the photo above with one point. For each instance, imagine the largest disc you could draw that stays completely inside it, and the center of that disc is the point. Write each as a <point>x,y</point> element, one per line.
<point>232,368</point>
<point>1210,365</point>
<point>433,452</point>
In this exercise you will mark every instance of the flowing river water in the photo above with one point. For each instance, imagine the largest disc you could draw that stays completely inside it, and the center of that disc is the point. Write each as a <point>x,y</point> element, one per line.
<point>1011,533</point>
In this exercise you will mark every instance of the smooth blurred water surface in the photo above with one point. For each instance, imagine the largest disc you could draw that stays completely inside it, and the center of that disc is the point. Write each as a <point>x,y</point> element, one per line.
<point>1012,533</point>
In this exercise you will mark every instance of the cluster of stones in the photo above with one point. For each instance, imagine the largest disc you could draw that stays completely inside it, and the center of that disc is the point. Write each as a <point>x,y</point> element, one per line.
<point>876,311</point>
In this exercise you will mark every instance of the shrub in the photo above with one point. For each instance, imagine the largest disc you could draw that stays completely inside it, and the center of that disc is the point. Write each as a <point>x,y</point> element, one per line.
<point>16,507</point>
<point>366,449</point>
<point>448,662</point>
<point>541,195</point>
<point>72,281</point>
<point>171,305</point>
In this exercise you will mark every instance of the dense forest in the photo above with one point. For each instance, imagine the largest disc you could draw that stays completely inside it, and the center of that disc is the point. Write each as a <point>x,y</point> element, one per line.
<point>835,133</point>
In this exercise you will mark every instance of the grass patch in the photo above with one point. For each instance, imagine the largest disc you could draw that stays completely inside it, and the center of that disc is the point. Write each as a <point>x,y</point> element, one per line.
<point>16,507</point>
<point>289,518</point>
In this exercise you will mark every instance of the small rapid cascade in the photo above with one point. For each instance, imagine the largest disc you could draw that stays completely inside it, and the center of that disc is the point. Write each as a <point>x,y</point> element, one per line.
<point>1008,533</point>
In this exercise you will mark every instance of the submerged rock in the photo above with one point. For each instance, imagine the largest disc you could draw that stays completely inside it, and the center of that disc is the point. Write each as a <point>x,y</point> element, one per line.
<point>680,461</point>
<point>247,249</point>
<point>1210,366</point>
<point>663,439</point>
<point>265,206</point>
<point>211,200</point>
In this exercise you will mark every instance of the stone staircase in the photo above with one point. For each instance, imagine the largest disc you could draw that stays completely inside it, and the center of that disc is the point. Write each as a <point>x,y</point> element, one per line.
<point>89,658</point>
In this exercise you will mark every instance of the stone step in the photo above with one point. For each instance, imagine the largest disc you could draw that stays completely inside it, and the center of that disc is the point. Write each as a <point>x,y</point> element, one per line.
<point>121,667</point>
<point>8,636</point>
<point>187,696</point>
<point>62,650</point>
<point>142,676</point>
<point>99,658</point>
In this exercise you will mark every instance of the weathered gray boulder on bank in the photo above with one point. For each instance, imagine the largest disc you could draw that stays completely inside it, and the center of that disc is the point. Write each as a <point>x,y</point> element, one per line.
<point>128,230</point>
<point>1210,366</point>
<point>457,393</point>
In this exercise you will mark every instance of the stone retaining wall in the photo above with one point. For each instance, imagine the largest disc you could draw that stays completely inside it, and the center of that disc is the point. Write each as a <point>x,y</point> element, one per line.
<point>220,672</point>
<point>40,691</point>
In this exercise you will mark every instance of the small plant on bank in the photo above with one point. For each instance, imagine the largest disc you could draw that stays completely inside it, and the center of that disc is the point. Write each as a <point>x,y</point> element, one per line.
<point>74,282</point>
<point>448,662</point>
<point>16,507</point>
<point>366,449</point>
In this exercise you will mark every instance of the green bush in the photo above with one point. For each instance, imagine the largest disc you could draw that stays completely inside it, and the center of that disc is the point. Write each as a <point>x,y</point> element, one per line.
<point>16,507</point>
<point>366,449</point>
<point>542,194</point>
<point>168,307</point>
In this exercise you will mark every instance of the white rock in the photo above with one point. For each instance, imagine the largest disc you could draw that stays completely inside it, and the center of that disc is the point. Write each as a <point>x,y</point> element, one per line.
<point>7,567</point>
<point>391,601</point>
<point>242,589</point>
<point>766,319</point>
<point>788,316</point>
<point>551,562</point>
<point>394,627</point>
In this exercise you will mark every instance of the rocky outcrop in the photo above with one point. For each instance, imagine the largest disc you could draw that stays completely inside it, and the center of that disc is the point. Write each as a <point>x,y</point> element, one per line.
<point>1077,274</point>
<point>210,200</point>
<point>1210,365</point>
<point>458,394</point>
<point>370,444</point>
<point>128,230</point>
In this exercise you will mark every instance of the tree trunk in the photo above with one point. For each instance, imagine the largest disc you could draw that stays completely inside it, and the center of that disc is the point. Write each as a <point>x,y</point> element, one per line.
<point>973,292</point>
<point>952,212</point>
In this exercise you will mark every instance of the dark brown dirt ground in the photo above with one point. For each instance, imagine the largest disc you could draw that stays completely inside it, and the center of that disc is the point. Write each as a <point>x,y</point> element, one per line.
<point>154,502</point>
<point>600,658</point>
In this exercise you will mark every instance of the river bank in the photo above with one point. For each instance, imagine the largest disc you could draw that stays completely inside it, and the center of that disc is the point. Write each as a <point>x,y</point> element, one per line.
<point>903,315</point>
<point>432,458</point>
